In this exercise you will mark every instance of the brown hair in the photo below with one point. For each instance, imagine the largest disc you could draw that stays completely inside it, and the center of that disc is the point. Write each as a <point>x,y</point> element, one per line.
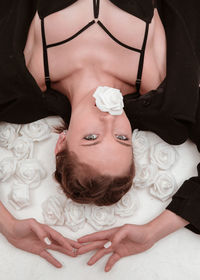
<point>83,184</point>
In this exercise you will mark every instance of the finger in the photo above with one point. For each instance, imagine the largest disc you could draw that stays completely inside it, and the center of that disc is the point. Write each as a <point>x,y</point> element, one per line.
<point>47,256</point>
<point>60,239</point>
<point>91,246</point>
<point>99,254</point>
<point>119,236</point>
<point>39,231</point>
<point>105,234</point>
<point>75,244</point>
<point>63,250</point>
<point>111,261</point>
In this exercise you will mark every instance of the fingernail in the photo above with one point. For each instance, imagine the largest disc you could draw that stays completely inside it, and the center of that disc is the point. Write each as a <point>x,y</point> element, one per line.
<point>107,268</point>
<point>107,245</point>
<point>47,241</point>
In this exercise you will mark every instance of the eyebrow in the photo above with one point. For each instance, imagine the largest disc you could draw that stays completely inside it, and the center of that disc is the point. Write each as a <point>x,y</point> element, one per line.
<point>98,142</point>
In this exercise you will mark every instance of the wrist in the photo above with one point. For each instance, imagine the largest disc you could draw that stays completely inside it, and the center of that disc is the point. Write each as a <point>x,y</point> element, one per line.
<point>166,223</point>
<point>6,221</point>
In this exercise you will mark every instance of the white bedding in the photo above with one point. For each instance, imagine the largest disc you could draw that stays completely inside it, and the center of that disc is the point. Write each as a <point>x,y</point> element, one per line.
<point>175,257</point>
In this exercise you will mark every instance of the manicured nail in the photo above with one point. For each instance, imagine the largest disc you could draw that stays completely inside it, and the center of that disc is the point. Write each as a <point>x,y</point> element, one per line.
<point>107,245</point>
<point>47,241</point>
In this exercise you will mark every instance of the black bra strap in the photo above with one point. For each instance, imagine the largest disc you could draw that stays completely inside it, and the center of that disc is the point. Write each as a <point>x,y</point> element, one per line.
<point>96,8</point>
<point>72,37</point>
<point>141,62</point>
<point>115,39</point>
<point>45,57</point>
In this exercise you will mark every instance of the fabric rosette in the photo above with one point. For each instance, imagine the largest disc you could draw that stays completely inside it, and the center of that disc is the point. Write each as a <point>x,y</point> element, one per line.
<point>53,211</point>
<point>100,216</point>
<point>163,155</point>
<point>23,148</point>
<point>109,100</point>
<point>127,205</point>
<point>145,175</point>
<point>37,131</point>
<point>164,186</point>
<point>7,168</point>
<point>19,196</point>
<point>140,144</point>
<point>8,134</point>
<point>60,190</point>
<point>30,172</point>
<point>74,215</point>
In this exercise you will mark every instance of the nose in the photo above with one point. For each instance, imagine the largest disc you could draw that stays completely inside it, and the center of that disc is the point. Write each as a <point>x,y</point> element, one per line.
<point>108,121</point>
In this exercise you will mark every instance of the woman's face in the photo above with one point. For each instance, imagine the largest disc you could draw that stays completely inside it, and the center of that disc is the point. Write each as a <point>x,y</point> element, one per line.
<point>99,139</point>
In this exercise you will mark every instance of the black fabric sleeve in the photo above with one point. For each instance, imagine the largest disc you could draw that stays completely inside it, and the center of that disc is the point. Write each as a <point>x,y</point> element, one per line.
<point>192,22</point>
<point>186,202</point>
<point>5,7</point>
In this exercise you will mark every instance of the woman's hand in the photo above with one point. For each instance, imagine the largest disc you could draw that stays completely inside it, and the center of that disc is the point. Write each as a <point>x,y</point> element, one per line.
<point>34,237</point>
<point>125,241</point>
<point>130,239</point>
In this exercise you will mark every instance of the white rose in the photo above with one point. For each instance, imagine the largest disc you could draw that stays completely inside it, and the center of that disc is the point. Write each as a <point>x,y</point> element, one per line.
<point>99,216</point>
<point>30,172</point>
<point>37,131</point>
<point>23,148</point>
<point>140,143</point>
<point>145,175</point>
<point>109,100</point>
<point>8,134</point>
<point>53,211</point>
<point>7,168</point>
<point>19,196</point>
<point>163,155</point>
<point>74,215</point>
<point>164,186</point>
<point>127,204</point>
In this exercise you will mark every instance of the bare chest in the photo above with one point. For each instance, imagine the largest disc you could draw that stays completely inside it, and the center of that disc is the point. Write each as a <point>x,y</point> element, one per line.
<point>93,50</point>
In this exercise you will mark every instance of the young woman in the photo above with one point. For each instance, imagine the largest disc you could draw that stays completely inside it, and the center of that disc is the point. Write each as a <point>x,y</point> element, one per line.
<point>54,56</point>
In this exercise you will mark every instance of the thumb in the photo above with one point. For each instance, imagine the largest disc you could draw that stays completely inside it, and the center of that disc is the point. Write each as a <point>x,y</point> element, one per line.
<point>119,236</point>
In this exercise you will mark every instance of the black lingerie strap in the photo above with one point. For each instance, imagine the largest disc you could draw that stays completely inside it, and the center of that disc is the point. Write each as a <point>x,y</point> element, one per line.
<point>45,57</point>
<point>96,8</point>
<point>96,14</point>
<point>115,39</point>
<point>141,62</point>
<point>73,36</point>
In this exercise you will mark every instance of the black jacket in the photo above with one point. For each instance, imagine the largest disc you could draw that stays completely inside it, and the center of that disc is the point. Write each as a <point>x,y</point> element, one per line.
<point>172,110</point>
